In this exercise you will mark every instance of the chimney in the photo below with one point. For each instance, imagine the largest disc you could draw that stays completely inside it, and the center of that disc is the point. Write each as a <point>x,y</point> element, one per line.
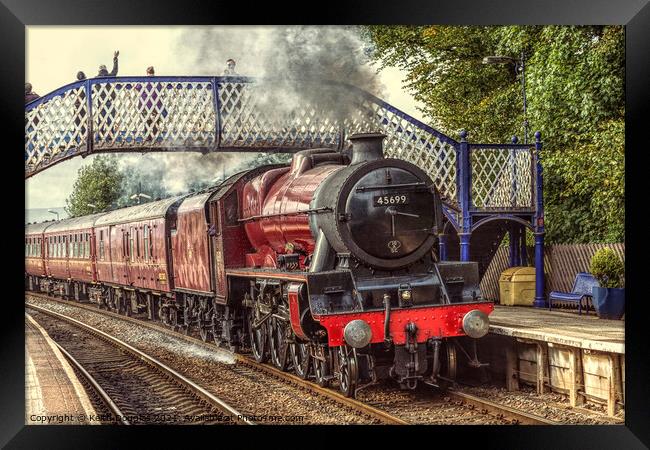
<point>367,147</point>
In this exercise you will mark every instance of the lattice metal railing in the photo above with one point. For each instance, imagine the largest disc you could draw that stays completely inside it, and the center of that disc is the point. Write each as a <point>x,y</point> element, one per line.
<point>502,176</point>
<point>183,113</point>
<point>143,114</point>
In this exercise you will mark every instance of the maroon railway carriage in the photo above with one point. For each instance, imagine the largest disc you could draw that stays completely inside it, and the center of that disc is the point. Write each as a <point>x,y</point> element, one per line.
<point>69,256</point>
<point>134,261</point>
<point>35,254</point>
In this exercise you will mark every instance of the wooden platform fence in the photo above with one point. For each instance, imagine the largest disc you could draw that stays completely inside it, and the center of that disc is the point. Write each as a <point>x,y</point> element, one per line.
<point>561,263</point>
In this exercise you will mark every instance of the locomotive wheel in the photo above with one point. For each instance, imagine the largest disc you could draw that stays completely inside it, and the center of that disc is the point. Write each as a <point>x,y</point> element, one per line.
<point>279,345</point>
<point>258,339</point>
<point>321,368</point>
<point>301,359</point>
<point>348,370</point>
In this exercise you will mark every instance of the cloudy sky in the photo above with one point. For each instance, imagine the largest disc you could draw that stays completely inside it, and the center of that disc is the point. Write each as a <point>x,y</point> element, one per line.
<point>55,54</point>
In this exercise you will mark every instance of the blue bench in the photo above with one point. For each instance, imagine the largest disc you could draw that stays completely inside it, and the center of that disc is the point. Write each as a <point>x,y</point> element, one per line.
<point>582,286</point>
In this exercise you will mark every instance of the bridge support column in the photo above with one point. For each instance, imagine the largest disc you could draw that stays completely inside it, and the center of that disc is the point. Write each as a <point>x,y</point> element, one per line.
<point>540,299</point>
<point>464,176</point>
<point>464,245</point>
<point>442,246</point>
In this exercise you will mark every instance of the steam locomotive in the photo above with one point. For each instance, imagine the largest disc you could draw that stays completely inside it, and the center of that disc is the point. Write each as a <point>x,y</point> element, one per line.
<point>325,267</point>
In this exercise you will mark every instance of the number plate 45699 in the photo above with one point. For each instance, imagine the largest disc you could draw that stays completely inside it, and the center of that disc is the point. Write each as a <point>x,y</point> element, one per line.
<point>392,199</point>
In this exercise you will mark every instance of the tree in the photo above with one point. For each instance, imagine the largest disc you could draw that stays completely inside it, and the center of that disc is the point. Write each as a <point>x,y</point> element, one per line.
<point>575,92</point>
<point>98,184</point>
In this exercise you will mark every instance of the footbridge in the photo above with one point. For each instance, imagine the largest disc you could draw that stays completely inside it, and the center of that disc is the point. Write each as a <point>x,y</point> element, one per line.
<point>489,189</point>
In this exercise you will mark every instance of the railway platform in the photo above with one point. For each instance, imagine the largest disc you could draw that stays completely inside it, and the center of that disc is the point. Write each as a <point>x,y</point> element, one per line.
<point>581,356</point>
<point>53,393</point>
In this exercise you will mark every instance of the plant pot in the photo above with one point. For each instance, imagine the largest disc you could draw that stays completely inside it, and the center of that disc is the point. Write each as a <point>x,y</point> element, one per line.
<point>609,303</point>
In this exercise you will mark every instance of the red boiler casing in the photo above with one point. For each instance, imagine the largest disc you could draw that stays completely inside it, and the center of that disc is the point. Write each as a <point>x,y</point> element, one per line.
<point>271,202</point>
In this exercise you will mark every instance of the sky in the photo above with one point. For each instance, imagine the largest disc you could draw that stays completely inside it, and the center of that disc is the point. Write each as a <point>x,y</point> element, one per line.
<point>55,54</point>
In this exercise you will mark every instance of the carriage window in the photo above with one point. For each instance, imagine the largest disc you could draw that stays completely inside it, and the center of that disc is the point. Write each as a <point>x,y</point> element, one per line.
<point>145,238</point>
<point>38,249</point>
<point>232,207</point>
<point>131,244</point>
<point>152,245</point>
<point>57,246</point>
<point>101,245</point>
<point>26,247</point>
<point>87,245</point>
<point>74,246</point>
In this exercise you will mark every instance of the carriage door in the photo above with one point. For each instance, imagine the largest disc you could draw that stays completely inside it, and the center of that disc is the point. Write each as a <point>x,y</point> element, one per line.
<point>216,250</point>
<point>122,257</point>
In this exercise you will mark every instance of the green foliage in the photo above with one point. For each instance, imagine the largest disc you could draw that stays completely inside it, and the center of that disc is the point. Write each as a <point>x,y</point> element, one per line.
<point>97,184</point>
<point>575,96</point>
<point>607,268</point>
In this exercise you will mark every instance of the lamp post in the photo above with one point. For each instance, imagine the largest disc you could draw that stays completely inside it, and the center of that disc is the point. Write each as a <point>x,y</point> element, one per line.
<point>54,212</point>
<point>139,195</point>
<point>520,67</point>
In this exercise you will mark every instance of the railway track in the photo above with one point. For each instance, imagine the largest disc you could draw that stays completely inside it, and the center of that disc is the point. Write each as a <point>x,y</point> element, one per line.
<point>397,407</point>
<point>247,367</point>
<point>142,389</point>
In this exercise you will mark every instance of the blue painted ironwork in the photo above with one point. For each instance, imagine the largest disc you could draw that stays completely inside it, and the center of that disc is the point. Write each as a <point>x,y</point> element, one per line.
<point>463,196</point>
<point>540,300</point>
<point>442,245</point>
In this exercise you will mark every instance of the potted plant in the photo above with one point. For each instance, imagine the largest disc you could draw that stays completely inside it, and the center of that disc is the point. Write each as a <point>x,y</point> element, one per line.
<point>609,298</point>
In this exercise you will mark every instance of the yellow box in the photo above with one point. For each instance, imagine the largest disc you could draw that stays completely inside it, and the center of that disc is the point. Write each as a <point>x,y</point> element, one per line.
<point>517,286</point>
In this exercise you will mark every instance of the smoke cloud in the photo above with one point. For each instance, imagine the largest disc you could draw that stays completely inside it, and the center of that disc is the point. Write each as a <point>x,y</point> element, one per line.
<point>295,67</point>
<point>180,172</point>
<point>297,64</point>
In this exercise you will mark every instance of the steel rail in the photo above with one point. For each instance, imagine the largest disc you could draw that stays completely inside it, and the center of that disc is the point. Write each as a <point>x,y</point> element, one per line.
<point>102,393</point>
<point>371,411</point>
<point>193,387</point>
<point>91,380</point>
<point>520,417</point>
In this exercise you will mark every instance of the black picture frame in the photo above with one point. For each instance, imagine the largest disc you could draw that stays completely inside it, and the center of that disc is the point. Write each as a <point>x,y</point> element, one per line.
<point>635,14</point>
